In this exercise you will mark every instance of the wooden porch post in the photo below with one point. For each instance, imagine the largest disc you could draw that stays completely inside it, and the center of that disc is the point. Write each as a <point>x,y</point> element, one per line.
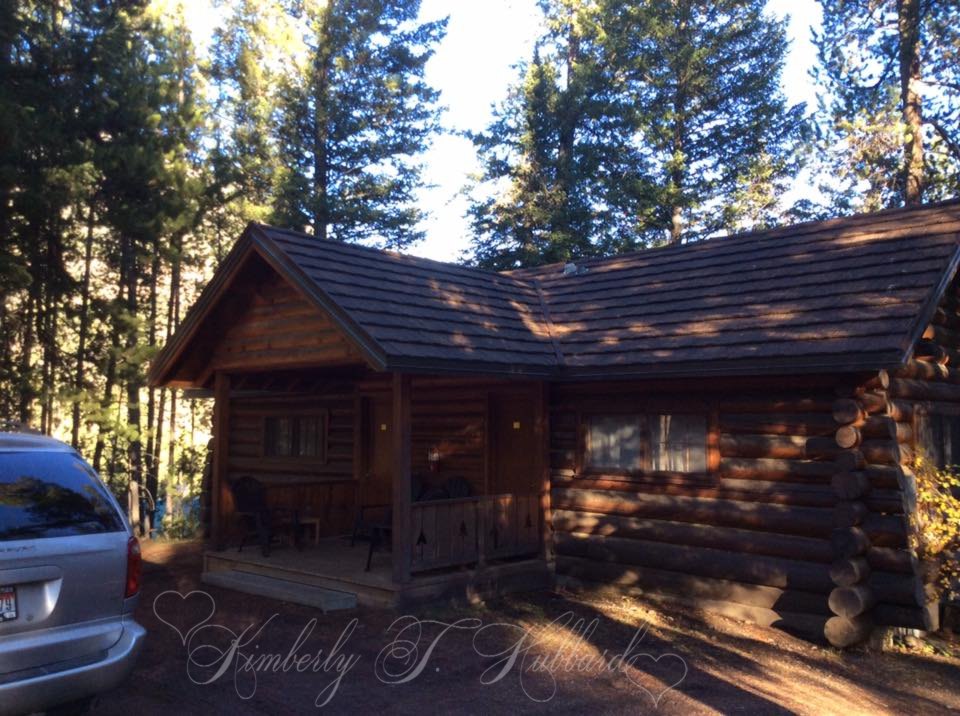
<point>221,445</point>
<point>402,489</point>
<point>543,435</point>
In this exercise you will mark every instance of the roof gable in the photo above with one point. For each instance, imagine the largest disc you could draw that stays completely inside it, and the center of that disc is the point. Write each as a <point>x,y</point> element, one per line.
<point>845,294</point>
<point>253,315</point>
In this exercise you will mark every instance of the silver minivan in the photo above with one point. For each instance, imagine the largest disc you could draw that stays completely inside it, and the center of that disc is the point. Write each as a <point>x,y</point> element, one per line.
<point>69,580</point>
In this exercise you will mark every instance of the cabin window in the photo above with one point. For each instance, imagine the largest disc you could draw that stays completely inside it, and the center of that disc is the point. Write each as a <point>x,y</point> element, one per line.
<point>657,442</point>
<point>614,442</point>
<point>939,438</point>
<point>678,443</point>
<point>294,436</point>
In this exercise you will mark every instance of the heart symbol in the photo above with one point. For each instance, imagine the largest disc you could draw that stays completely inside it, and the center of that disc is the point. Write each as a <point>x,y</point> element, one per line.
<point>656,660</point>
<point>169,595</point>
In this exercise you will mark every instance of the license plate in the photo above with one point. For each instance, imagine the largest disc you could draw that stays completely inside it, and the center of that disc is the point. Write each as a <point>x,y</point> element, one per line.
<point>8,604</point>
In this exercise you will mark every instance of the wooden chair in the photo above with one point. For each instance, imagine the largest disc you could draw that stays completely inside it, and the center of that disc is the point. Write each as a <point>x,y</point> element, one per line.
<point>374,522</point>
<point>260,520</point>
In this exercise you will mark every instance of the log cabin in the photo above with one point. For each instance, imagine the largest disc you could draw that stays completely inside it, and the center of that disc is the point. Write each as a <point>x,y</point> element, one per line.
<point>729,423</point>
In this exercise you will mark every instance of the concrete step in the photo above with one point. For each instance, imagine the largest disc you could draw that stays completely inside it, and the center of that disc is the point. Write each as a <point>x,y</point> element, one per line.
<point>327,600</point>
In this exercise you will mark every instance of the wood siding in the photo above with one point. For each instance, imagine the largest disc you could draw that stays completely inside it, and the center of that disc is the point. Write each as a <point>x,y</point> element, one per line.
<point>279,328</point>
<point>323,489</point>
<point>752,537</point>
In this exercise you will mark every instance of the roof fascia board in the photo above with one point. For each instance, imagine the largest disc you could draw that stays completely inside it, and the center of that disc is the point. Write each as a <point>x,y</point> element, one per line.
<point>185,332</point>
<point>930,305</point>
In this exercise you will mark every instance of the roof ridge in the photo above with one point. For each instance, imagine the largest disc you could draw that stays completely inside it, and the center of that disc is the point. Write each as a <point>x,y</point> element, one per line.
<point>799,227</point>
<point>395,254</point>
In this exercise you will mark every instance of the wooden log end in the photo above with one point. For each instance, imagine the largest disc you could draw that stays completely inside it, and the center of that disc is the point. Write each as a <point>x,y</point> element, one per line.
<point>842,632</point>
<point>849,542</point>
<point>846,411</point>
<point>852,601</point>
<point>849,460</point>
<point>847,572</point>
<point>848,436</point>
<point>849,513</point>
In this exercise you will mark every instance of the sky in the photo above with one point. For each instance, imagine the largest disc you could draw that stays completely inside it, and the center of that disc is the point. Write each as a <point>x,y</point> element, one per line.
<point>472,68</point>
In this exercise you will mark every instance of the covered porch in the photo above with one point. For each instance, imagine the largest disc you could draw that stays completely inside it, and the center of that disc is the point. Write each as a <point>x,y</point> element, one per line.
<point>334,565</point>
<point>449,472</point>
<point>362,391</point>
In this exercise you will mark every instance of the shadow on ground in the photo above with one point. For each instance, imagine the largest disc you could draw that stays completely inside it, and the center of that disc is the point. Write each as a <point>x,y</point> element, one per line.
<point>542,652</point>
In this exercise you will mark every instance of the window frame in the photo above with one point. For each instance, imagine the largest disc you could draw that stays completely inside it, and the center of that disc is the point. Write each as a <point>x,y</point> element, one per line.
<point>645,470</point>
<point>320,414</point>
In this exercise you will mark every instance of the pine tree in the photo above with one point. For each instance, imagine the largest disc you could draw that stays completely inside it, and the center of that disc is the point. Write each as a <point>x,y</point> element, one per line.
<point>562,178</point>
<point>637,123</point>
<point>889,119</point>
<point>354,121</point>
<point>252,58</point>
<point>150,195</point>
<point>715,126</point>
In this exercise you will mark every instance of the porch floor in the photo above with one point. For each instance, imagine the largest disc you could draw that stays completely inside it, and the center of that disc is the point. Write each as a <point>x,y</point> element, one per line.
<point>334,564</point>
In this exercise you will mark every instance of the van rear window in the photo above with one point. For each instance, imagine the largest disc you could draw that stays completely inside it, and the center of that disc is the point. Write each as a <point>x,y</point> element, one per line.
<point>52,494</point>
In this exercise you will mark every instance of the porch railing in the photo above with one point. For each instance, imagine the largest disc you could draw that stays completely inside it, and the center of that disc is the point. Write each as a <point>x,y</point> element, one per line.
<point>461,531</point>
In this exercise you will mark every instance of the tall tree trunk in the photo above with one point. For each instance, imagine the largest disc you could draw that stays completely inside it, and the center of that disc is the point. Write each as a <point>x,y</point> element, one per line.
<point>26,367</point>
<point>132,375</point>
<point>51,359</point>
<point>173,322</point>
<point>678,167</point>
<point>81,359</point>
<point>43,333</point>
<point>154,432</point>
<point>908,20</point>
<point>110,378</point>
<point>321,129</point>
<point>677,172</point>
<point>568,134</point>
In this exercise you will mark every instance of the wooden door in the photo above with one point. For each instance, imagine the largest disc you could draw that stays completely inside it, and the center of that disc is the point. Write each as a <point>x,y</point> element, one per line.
<point>378,478</point>
<point>514,448</point>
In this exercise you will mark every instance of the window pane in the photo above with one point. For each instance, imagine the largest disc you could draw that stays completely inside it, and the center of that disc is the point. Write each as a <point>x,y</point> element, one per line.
<point>278,440</point>
<point>614,442</point>
<point>52,494</point>
<point>678,443</point>
<point>309,437</point>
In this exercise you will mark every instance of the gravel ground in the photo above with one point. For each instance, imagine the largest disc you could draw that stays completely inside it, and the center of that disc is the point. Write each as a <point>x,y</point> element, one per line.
<point>220,652</point>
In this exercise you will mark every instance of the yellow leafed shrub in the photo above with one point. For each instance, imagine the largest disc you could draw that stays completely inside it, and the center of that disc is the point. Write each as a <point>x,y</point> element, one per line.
<point>936,520</point>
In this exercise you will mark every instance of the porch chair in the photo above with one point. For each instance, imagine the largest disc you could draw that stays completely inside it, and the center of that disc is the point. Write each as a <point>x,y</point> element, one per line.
<point>374,522</point>
<point>260,520</point>
<point>379,529</point>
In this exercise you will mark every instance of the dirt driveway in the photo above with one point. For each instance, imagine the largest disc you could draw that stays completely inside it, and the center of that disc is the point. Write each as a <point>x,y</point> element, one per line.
<point>229,653</point>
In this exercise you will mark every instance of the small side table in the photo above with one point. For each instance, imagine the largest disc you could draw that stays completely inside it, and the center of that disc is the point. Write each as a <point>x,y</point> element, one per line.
<point>314,522</point>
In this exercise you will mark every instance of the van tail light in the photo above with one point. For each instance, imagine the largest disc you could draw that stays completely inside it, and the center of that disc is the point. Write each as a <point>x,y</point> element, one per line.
<point>134,567</point>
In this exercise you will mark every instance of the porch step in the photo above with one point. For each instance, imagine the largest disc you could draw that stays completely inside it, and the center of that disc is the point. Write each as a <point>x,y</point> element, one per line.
<point>327,600</point>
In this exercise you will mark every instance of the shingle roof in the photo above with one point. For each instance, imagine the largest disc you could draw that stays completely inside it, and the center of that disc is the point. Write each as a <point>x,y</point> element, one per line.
<point>417,309</point>
<point>846,294</point>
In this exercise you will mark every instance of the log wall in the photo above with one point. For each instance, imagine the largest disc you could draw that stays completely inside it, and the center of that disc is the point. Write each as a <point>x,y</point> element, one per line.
<point>928,383</point>
<point>750,538</point>
<point>326,490</point>
<point>801,520</point>
<point>278,328</point>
